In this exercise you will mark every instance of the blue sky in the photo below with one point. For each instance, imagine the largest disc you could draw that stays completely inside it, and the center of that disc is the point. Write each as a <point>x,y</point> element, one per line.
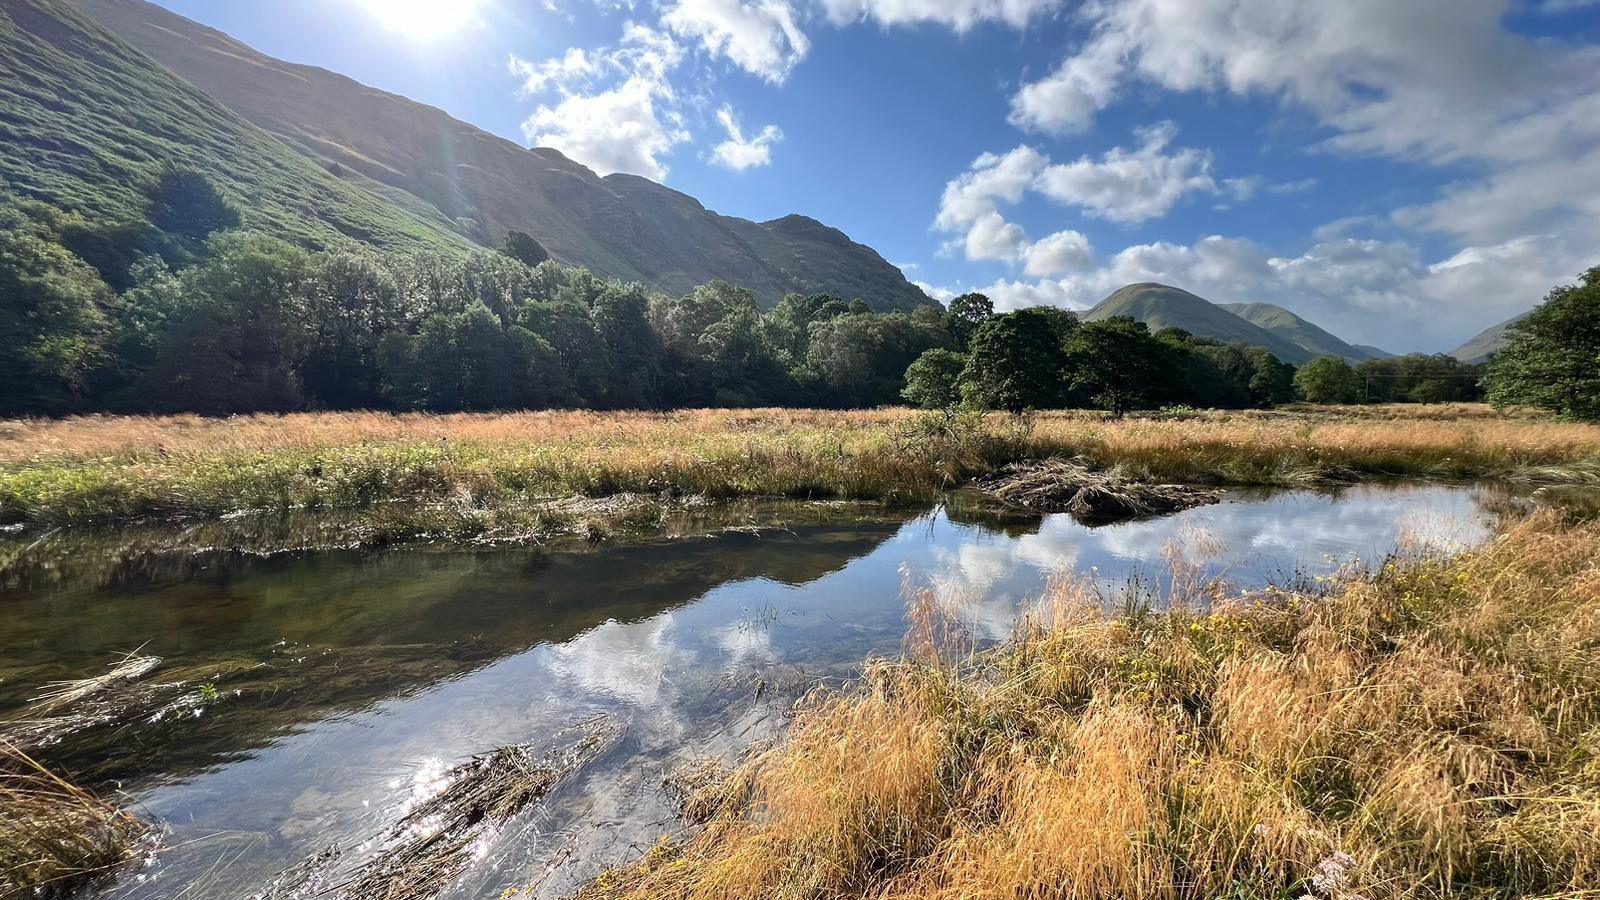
<point>1403,172</point>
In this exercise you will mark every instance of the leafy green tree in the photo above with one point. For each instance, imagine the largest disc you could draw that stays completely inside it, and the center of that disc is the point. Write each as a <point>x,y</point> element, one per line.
<point>1328,379</point>
<point>1210,373</point>
<point>788,325</point>
<point>565,325</point>
<point>495,281</point>
<point>1016,361</point>
<point>235,340</point>
<point>1271,379</point>
<point>680,322</point>
<point>351,303</point>
<point>1119,365</point>
<point>860,359</point>
<point>967,314</point>
<point>743,369</point>
<point>1551,358</point>
<point>934,380</point>
<point>185,202</point>
<point>524,249</point>
<point>56,316</point>
<point>632,352</point>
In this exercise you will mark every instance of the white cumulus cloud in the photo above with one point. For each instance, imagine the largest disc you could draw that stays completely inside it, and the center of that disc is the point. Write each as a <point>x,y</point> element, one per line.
<point>1135,185</point>
<point>627,126</point>
<point>763,37</point>
<point>739,152</point>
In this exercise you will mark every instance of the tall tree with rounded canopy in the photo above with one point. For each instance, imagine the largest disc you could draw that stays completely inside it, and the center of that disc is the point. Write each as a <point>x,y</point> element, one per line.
<point>1015,361</point>
<point>1120,365</point>
<point>967,314</point>
<point>1552,357</point>
<point>1328,379</point>
<point>934,380</point>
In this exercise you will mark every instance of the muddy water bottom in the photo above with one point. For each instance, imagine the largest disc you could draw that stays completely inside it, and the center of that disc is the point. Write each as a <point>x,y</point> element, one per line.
<point>331,691</point>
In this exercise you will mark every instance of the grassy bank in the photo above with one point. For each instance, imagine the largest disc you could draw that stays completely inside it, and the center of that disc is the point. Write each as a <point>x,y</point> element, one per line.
<point>101,469</point>
<point>56,837</point>
<point>1429,731</point>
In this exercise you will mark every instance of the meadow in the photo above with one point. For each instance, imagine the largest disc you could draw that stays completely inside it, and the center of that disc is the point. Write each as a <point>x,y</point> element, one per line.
<point>101,469</point>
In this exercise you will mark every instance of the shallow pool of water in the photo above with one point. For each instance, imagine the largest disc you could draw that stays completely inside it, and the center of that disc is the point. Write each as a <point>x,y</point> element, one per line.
<point>338,684</point>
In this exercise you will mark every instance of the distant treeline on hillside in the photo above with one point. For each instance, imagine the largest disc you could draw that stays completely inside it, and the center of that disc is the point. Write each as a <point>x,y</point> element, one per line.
<point>187,313</point>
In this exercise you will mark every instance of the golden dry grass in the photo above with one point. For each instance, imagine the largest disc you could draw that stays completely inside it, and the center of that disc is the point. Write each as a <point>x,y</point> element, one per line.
<point>54,836</point>
<point>1429,731</point>
<point>110,468</point>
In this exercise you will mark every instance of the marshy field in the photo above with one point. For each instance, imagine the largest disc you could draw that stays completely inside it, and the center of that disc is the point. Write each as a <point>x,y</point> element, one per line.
<point>1318,652</point>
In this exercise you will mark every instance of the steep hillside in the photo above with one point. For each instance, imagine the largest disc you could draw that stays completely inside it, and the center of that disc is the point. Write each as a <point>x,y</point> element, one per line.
<point>1285,324</point>
<point>620,225</point>
<point>1160,306</point>
<point>87,123</point>
<point>1486,342</point>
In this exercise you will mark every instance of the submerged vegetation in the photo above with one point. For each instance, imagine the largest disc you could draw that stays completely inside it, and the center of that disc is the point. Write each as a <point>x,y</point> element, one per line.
<point>1428,730</point>
<point>439,836</point>
<point>105,469</point>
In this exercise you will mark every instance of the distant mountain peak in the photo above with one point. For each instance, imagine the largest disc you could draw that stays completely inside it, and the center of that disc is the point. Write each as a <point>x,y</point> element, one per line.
<point>1287,336</point>
<point>1487,342</point>
<point>1310,337</point>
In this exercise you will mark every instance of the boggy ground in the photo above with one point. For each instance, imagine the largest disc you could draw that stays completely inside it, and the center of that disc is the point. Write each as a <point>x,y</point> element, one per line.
<point>1428,730</point>
<point>102,469</point>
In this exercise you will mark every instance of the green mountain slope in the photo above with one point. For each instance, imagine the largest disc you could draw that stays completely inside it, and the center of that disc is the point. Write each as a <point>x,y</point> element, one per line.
<point>1285,324</point>
<point>1486,342</point>
<point>1160,306</point>
<point>87,123</point>
<point>620,225</point>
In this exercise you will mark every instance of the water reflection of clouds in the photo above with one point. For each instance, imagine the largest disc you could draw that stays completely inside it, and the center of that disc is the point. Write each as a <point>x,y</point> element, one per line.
<point>631,662</point>
<point>985,579</point>
<point>745,641</point>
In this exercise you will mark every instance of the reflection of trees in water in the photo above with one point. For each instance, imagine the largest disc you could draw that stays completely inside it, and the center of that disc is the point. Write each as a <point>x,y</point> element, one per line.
<point>975,508</point>
<point>288,640</point>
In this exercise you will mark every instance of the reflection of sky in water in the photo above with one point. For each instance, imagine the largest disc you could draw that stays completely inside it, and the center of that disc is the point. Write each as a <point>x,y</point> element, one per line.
<point>682,678</point>
<point>1258,541</point>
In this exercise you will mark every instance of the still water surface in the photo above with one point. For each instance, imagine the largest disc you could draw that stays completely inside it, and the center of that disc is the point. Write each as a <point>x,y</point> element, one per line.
<point>346,682</point>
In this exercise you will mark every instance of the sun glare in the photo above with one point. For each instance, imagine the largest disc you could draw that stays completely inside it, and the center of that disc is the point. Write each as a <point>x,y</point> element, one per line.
<point>423,20</point>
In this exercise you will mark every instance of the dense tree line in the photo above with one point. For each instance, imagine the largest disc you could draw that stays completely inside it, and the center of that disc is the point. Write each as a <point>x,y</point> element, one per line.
<point>1045,358</point>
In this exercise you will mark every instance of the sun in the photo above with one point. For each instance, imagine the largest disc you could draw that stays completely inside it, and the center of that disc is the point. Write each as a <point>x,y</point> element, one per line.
<point>423,20</point>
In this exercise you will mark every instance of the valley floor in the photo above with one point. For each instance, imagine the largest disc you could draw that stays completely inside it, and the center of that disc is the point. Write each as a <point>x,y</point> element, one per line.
<point>103,469</point>
<point>1429,729</point>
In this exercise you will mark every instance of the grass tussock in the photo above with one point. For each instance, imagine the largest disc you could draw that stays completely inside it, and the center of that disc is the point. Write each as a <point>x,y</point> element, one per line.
<point>56,837</point>
<point>1430,730</point>
<point>102,468</point>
